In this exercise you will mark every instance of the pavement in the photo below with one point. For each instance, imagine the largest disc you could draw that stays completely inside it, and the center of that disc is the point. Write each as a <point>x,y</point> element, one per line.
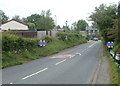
<point>77,65</point>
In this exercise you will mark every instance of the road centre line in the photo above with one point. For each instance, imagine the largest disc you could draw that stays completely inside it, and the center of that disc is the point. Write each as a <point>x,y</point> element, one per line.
<point>11,83</point>
<point>60,62</point>
<point>34,73</point>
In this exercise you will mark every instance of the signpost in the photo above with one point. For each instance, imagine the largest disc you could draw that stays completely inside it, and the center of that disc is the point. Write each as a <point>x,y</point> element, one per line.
<point>110,44</point>
<point>42,43</point>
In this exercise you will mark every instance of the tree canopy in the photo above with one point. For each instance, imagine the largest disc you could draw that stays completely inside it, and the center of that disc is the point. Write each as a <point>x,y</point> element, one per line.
<point>107,19</point>
<point>80,25</point>
<point>3,17</point>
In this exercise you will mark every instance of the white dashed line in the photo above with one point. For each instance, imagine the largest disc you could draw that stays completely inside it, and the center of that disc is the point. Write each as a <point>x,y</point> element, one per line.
<point>34,73</point>
<point>60,62</point>
<point>11,83</point>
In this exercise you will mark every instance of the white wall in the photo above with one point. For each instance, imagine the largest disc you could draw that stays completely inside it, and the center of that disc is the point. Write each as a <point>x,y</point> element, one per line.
<point>43,33</point>
<point>13,25</point>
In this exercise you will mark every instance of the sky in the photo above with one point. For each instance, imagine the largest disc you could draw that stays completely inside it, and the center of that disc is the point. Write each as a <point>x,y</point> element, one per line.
<point>65,10</point>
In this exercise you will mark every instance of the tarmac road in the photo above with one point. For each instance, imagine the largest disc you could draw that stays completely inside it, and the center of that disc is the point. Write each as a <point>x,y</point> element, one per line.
<point>76,65</point>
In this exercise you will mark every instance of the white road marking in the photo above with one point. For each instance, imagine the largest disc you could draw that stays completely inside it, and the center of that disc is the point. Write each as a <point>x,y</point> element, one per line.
<point>34,73</point>
<point>92,45</point>
<point>60,62</point>
<point>11,83</point>
<point>79,54</point>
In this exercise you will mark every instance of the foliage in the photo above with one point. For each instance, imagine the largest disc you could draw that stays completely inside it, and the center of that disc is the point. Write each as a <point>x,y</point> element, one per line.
<point>17,18</point>
<point>81,25</point>
<point>40,21</point>
<point>33,18</point>
<point>3,17</point>
<point>115,71</point>
<point>45,22</point>
<point>105,18</point>
<point>18,50</point>
<point>31,26</point>
<point>12,42</point>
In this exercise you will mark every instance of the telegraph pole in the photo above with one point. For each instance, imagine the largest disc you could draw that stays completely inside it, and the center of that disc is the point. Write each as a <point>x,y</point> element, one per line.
<point>66,26</point>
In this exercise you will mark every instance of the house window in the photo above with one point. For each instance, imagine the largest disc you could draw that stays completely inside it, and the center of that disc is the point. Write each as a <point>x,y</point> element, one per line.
<point>91,31</point>
<point>95,30</point>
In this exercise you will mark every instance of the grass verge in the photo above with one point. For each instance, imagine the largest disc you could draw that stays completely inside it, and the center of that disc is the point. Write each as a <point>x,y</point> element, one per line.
<point>115,71</point>
<point>24,53</point>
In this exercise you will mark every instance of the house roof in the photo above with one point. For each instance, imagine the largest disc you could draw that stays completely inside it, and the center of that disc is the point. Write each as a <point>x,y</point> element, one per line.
<point>15,21</point>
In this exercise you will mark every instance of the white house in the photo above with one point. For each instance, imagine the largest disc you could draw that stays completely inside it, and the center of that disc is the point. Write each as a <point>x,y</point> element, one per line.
<point>91,31</point>
<point>13,25</point>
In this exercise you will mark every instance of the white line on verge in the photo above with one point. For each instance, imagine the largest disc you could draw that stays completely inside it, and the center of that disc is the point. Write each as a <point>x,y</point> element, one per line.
<point>60,62</point>
<point>34,73</point>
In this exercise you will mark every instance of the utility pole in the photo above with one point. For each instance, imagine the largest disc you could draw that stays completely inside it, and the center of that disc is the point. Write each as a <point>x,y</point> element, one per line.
<point>66,26</point>
<point>56,21</point>
<point>118,15</point>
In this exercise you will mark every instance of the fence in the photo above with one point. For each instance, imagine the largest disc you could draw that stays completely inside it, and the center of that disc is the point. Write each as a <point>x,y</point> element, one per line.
<point>34,34</point>
<point>27,34</point>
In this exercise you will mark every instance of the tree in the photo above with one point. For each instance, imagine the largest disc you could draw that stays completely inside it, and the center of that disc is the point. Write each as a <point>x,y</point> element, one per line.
<point>81,25</point>
<point>31,26</point>
<point>58,27</point>
<point>45,21</point>
<point>103,16</point>
<point>17,18</point>
<point>33,18</point>
<point>3,17</point>
<point>24,20</point>
<point>74,26</point>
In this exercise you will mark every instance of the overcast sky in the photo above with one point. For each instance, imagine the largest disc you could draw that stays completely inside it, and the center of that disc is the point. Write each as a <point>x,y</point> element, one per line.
<point>70,10</point>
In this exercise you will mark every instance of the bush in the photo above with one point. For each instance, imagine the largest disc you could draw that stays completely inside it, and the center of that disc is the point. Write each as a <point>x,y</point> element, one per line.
<point>18,50</point>
<point>12,42</point>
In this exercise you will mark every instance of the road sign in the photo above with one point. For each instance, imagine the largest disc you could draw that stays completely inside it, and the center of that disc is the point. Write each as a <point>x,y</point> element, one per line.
<point>110,44</point>
<point>42,43</point>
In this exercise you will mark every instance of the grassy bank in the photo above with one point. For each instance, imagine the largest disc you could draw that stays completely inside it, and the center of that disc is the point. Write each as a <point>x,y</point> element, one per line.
<point>18,50</point>
<point>115,71</point>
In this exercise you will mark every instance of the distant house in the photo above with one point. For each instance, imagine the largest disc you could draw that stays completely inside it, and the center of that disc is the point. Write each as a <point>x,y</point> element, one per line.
<point>13,25</point>
<point>91,31</point>
<point>83,33</point>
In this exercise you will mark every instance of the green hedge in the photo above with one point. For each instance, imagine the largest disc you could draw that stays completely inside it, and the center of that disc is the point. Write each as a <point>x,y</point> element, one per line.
<point>18,50</point>
<point>12,42</point>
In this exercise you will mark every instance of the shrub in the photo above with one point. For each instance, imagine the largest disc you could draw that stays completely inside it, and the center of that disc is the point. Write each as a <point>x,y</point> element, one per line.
<point>17,50</point>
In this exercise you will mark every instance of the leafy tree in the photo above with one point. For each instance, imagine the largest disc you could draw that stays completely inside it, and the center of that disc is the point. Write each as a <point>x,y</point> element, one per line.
<point>31,26</point>
<point>74,26</point>
<point>81,25</point>
<point>58,27</point>
<point>103,16</point>
<point>45,21</point>
<point>17,18</point>
<point>33,18</point>
<point>24,20</point>
<point>3,17</point>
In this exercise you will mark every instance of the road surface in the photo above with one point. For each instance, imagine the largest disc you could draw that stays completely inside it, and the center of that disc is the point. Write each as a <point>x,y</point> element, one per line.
<point>72,66</point>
